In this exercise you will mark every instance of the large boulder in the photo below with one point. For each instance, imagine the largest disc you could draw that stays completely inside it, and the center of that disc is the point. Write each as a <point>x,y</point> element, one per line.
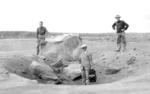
<point>31,67</point>
<point>19,64</point>
<point>73,70</point>
<point>42,72</point>
<point>62,49</point>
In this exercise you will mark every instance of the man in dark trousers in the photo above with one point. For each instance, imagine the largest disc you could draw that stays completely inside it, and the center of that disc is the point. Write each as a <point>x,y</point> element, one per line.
<point>41,34</point>
<point>120,26</point>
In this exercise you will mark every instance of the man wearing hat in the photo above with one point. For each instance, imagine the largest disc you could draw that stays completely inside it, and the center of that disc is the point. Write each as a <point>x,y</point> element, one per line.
<point>41,34</point>
<point>85,64</point>
<point>120,26</point>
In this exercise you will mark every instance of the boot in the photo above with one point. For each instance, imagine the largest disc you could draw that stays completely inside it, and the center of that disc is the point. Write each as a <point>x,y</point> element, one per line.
<point>124,47</point>
<point>87,82</point>
<point>119,47</point>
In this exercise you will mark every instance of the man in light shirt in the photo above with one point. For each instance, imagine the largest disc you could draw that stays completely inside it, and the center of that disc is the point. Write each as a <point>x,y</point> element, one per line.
<point>85,64</point>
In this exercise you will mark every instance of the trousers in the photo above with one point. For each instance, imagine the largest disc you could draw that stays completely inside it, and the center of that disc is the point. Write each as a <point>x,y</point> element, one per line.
<point>121,41</point>
<point>40,44</point>
<point>85,75</point>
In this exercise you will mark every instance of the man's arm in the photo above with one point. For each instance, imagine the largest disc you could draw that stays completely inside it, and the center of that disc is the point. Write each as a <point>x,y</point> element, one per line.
<point>37,33</point>
<point>113,26</point>
<point>89,56</point>
<point>79,60</point>
<point>46,32</point>
<point>126,26</point>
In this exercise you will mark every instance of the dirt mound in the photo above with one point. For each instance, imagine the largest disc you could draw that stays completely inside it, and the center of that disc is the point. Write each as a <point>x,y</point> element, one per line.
<point>112,66</point>
<point>124,59</point>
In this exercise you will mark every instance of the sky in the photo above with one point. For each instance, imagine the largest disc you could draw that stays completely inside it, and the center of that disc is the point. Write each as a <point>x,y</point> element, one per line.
<point>74,16</point>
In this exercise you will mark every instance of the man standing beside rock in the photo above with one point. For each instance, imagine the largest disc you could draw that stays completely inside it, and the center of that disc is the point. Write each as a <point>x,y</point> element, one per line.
<point>120,26</point>
<point>85,64</point>
<point>41,34</point>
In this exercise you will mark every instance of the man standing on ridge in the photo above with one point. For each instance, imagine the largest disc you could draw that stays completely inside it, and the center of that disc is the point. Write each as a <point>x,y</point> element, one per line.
<point>41,34</point>
<point>120,26</point>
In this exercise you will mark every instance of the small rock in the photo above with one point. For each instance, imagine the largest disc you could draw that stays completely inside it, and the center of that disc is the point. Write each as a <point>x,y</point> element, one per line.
<point>104,62</point>
<point>102,55</point>
<point>112,71</point>
<point>134,49</point>
<point>103,58</point>
<point>131,60</point>
<point>117,57</point>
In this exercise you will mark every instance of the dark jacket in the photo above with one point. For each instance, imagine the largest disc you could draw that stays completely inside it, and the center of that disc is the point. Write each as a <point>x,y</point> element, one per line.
<point>41,31</point>
<point>120,26</point>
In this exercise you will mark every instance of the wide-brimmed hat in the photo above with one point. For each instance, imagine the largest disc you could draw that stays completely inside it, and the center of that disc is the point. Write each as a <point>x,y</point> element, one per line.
<point>117,16</point>
<point>83,46</point>
<point>41,21</point>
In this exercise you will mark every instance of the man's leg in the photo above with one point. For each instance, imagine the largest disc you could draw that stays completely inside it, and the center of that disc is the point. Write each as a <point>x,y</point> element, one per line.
<point>118,42</point>
<point>38,47</point>
<point>37,50</point>
<point>83,75</point>
<point>124,42</point>
<point>42,43</point>
<point>87,76</point>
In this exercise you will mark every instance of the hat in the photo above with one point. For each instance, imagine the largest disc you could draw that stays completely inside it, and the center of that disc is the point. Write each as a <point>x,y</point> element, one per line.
<point>118,16</point>
<point>83,46</point>
<point>41,21</point>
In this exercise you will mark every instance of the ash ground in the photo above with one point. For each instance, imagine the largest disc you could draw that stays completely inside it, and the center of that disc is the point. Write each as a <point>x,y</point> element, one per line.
<point>112,67</point>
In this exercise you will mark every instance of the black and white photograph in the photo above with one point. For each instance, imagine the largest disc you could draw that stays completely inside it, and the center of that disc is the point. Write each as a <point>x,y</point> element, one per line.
<point>74,47</point>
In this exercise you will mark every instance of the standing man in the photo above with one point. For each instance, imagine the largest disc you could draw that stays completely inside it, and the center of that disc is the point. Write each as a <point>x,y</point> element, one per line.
<point>120,26</point>
<point>85,64</point>
<point>41,34</point>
